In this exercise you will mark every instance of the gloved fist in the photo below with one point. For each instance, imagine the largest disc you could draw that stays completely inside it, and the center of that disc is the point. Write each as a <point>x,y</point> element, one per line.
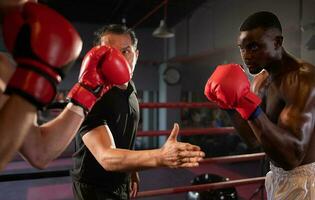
<point>229,87</point>
<point>44,45</point>
<point>101,68</point>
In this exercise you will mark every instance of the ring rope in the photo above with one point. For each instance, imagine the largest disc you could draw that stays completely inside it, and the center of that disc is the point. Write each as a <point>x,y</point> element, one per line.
<point>62,105</point>
<point>65,172</point>
<point>178,105</point>
<point>201,187</point>
<point>200,131</point>
<point>234,158</point>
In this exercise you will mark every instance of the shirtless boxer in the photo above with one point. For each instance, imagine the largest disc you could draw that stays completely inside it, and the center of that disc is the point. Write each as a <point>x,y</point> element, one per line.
<point>278,110</point>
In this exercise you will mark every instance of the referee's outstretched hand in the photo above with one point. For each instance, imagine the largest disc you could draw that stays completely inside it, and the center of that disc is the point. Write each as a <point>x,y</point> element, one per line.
<point>178,154</point>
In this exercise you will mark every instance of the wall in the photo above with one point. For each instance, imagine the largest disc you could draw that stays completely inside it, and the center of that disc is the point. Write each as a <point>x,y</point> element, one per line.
<point>209,35</point>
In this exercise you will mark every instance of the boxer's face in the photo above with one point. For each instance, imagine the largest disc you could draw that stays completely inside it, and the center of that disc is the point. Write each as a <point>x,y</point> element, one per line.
<point>258,48</point>
<point>123,43</point>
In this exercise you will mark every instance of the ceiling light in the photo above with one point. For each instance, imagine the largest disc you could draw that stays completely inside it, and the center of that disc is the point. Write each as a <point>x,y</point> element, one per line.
<point>163,31</point>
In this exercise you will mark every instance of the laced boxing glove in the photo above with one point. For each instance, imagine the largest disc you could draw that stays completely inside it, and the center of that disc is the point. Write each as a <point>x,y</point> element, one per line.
<point>101,68</point>
<point>229,87</point>
<point>44,45</point>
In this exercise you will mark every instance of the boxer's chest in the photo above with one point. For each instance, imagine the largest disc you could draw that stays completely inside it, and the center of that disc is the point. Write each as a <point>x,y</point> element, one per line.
<point>273,103</point>
<point>272,98</point>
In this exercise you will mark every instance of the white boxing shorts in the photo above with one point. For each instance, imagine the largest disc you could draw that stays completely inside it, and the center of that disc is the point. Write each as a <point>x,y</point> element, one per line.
<point>296,184</point>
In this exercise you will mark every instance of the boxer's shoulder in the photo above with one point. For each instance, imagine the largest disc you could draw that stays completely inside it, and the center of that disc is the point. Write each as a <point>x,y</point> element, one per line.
<point>259,81</point>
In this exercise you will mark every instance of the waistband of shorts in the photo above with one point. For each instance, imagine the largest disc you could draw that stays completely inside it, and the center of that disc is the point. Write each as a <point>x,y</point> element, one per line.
<point>306,170</point>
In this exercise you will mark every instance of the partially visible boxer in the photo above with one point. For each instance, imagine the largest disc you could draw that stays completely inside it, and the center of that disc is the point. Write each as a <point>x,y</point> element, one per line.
<point>277,111</point>
<point>44,45</point>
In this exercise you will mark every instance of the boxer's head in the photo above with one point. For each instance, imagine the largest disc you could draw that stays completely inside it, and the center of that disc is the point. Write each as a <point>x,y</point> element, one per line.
<point>122,38</point>
<point>260,41</point>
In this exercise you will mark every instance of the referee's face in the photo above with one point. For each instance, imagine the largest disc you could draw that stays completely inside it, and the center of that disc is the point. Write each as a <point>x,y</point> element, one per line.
<point>123,43</point>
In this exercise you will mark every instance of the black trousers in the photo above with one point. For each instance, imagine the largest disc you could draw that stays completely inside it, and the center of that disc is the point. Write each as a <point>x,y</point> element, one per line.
<point>82,191</point>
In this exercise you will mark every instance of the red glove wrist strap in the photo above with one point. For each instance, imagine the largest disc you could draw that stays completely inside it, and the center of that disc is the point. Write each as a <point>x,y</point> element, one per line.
<point>81,96</point>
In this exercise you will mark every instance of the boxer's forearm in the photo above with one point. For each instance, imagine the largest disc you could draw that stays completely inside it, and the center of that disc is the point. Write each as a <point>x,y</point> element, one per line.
<point>129,160</point>
<point>46,142</point>
<point>243,129</point>
<point>16,117</point>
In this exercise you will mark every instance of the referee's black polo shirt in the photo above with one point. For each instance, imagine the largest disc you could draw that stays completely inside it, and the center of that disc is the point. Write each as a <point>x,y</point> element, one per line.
<point>119,109</point>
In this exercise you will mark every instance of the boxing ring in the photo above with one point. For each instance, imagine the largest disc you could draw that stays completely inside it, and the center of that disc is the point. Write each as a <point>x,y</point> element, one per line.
<point>200,131</point>
<point>183,132</point>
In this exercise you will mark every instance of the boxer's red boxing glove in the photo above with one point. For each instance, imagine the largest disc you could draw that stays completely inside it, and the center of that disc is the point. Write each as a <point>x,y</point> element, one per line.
<point>44,45</point>
<point>229,87</point>
<point>101,68</point>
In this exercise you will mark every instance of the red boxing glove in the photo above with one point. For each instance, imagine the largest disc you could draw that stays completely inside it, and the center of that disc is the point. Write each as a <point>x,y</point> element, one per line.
<point>44,45</point>
<point>229,87</point>
<point>101,68</point>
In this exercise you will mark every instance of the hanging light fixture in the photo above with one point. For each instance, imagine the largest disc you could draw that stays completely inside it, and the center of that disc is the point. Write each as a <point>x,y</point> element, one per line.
<point>163,31</point>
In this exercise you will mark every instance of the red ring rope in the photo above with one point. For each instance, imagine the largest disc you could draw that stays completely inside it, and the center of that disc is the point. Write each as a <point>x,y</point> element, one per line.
<point>234,158</point>
<point>179,105</point>
<point>201,131</point>
<point>201,187</point>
